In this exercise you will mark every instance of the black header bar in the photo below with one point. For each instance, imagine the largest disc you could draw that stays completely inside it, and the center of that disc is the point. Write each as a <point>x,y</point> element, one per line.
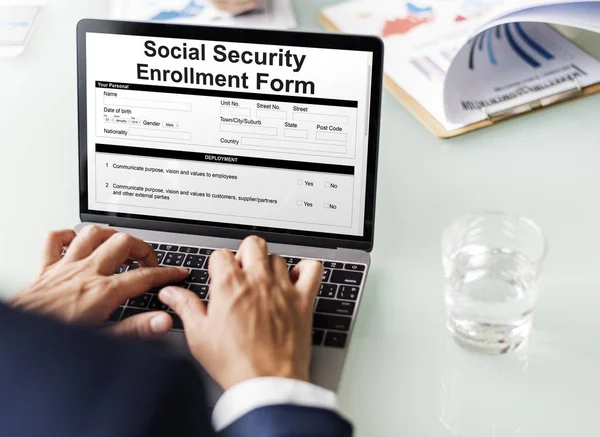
<point>227,94</point>
<point>225,159</point>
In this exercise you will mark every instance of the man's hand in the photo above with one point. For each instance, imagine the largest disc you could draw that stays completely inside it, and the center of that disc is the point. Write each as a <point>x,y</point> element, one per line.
<point>259,320</point>
<point>235,7</point>
<point>81,287</point>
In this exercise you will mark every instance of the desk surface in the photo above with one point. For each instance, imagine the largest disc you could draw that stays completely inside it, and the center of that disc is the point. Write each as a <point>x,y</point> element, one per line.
<point>403,376</point>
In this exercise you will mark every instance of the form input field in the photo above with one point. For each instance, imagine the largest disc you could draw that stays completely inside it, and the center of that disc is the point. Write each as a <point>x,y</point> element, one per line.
<point>320,118</point>
<point>292,145</point>
<point>296,133</point>
<point>248,129</point>
<point>269,113</point>
<point>331,136</point>
<point>150,104</point>
<point>156,133</point>
<point>232,110</point>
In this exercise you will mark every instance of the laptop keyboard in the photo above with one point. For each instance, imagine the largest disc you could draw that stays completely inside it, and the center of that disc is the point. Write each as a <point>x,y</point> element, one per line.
<point>334,307</point>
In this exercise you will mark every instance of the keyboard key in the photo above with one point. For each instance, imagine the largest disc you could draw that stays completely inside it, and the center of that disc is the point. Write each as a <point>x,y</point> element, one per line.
<point>326,321</point>
<point>157,305</point>
<point>317,337</point>
<point>355,267</point>
<point>335,339</point>
<point>134,265</point>
<point>347,292</point>
<point>169,247</point>
<point>198,276</point>
<point>200,290</point>
<point>121,269</point>
<point>206,251</point>
<point>140,301</point>
<point>174,259</point>
<point>291,261</point>
<point>327,290</point>
<point>185,249</point>
<point>130,312</point>
<point>346,277</point>
<point>333,265</point>
<point>159,256</point>
<point>335,307</point>
<point>154,245</point>
<point>177,323</point>
<point>326,275</point>
<point>194,261</point>
<point>116,315</point>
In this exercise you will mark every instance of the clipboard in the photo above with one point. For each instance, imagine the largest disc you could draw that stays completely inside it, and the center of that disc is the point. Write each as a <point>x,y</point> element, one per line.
<point>492,117</point>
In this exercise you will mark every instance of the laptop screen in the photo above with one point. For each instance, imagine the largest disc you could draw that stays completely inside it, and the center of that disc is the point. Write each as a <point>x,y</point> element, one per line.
<point>253,136</point>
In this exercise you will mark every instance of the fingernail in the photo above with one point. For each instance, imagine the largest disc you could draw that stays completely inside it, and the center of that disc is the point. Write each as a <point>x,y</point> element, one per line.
<point>159,323</point>
<point>184,269</point>
<point>166,295</point>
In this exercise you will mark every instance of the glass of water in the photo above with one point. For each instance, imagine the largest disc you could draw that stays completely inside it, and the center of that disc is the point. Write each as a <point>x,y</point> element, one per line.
<point>492,264</point>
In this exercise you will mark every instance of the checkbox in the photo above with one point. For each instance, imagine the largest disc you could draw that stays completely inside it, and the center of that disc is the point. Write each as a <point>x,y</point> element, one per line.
<point>326,205</point>
<point>299,203</point>
<point>300,182</point>
<point>327,184</point>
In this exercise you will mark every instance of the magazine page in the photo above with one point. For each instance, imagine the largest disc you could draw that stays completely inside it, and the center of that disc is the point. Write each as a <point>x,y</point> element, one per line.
<point>422,37</point>
<point>516,63</point>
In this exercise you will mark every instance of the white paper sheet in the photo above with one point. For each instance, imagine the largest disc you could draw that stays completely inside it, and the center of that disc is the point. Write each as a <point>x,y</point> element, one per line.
<point>422,38</point>
<point>271,14</point>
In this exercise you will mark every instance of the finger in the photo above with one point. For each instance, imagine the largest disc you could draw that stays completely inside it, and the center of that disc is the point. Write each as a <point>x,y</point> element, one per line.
<point>254,258</point>
<point>87,241</point>
<point>308,274</point>
<point>280,271</point>
<point>133,283</point>
<point>121,247</point>
<point>224,270</point>
<point>186,305</point>
<point>54,244</point>
<point>235,7</point>
<point>143,326</point>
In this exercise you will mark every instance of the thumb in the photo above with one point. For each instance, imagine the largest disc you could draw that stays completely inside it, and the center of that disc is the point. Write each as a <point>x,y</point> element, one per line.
<point>186,304</point>
<point>143,326</point>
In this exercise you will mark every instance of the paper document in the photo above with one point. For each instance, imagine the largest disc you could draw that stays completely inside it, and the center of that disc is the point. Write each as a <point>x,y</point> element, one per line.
<point>17,21</point>
<point>270,14</point>
<point>458,57</point>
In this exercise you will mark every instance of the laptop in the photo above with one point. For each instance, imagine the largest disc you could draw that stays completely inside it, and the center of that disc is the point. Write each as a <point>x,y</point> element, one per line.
<point>192,138</point>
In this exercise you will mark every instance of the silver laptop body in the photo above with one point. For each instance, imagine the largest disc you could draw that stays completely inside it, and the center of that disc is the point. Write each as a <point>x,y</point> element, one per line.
<point>126,137</point>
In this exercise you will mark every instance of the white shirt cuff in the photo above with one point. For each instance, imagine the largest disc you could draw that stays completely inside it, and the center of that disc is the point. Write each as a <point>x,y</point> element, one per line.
<point>261,392</point>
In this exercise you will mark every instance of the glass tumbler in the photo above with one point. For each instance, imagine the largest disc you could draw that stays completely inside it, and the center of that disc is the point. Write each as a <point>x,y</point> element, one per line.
<point>492,264</point>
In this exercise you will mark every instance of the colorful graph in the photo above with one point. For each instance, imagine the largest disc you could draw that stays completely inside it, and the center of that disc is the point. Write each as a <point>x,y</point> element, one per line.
<point>190,10</point>
<point>416,16</point>
<point>491,37</point>
<point>435,65</point>
<point>414,9</point>
<point>400,26</point>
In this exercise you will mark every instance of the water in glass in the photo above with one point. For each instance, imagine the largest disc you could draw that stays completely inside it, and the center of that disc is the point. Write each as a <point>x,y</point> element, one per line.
<point>490,293</point>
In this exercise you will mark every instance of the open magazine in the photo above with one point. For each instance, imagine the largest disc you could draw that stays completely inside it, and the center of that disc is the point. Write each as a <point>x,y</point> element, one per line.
<point>464,61</point>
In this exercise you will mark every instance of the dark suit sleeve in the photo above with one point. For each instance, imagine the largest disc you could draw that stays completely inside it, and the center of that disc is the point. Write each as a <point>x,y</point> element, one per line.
<point>63,381</point>
<point>289,421</point>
